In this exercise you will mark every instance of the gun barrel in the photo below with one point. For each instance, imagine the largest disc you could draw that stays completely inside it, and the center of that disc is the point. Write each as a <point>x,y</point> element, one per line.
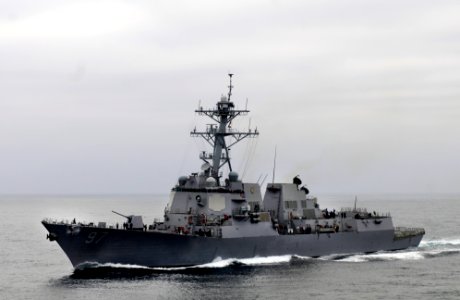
<point>120,214</point>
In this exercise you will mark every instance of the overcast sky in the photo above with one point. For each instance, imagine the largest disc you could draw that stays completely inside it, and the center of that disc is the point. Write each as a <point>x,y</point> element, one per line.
<point>357,96</point>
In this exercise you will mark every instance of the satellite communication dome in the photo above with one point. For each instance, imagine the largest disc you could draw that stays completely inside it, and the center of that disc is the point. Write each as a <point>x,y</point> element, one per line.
<point>211,182</point>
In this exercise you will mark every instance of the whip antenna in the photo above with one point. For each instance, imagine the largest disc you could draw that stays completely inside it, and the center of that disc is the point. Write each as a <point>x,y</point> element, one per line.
<point>274,167</point>
<point>230,87</point>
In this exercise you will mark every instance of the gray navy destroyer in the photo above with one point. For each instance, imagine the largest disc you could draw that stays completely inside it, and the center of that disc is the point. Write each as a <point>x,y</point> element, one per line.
<point>210,216</point>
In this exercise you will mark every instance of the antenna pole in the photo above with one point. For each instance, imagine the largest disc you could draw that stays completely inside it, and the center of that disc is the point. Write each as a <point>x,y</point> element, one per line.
<point>258,179</point>
<point>274,167</point>
<point>264,180</point>
<point>230,87</point>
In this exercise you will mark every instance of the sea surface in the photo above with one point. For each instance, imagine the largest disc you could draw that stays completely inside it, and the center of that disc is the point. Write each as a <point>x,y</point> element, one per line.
<point>31,267</point>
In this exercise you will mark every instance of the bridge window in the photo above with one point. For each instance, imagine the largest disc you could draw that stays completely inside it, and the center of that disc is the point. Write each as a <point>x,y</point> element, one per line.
<point>303,203</point>
<point>290,204</point>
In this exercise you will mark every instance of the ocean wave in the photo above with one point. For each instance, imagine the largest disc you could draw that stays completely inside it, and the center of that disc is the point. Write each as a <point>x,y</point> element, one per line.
<point>437,253</point>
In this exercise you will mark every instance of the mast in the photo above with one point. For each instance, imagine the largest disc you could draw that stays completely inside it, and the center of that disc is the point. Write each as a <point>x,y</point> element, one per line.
<point>219,134</point>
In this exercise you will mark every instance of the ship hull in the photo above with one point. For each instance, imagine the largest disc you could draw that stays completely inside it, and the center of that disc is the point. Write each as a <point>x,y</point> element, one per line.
<point>155,249</point>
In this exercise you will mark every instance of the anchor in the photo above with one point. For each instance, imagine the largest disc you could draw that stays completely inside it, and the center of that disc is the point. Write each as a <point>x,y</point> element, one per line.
<point>52,236</point>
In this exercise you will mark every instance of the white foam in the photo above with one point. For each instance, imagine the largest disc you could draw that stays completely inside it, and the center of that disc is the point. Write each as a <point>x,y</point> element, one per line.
<point>384,256</point>
<point>354,258</point>
<point>441,242</point>
<point>254,261</point>
<point>441,252</point>
<point>411,255</point>
<point>218,262</point>
<point>124,266</point>
<point>89,265</point>
<point>170,268</point>
<point>301,257</point>
<point>427,248</point>
<point>331,257</point>
<point>269,260</point>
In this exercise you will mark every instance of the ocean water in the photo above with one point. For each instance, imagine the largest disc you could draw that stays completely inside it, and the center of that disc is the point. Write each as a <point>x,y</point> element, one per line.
<point>34,268</point>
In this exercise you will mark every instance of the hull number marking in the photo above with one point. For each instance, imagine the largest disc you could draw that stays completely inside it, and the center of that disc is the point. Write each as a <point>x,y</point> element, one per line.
<point>95,237</point>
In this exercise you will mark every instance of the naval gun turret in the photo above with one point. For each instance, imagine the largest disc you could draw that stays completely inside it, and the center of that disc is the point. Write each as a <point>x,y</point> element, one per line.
<point>133,222</point>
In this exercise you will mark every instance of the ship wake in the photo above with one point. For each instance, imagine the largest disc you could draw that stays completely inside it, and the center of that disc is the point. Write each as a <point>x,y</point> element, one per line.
<point>427,249</point>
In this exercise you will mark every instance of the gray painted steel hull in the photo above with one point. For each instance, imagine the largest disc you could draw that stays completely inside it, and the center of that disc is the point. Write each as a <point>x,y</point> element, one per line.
<point>154,249</point>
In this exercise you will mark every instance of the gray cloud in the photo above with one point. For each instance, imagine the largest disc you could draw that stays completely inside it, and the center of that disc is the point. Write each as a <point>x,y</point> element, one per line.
<point>98,96</point>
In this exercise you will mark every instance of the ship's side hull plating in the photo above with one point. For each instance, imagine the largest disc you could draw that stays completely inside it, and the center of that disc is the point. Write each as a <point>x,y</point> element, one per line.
<point>154,249</point>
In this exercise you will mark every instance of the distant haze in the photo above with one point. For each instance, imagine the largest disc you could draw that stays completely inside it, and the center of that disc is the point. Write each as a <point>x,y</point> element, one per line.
<point>357,96</point>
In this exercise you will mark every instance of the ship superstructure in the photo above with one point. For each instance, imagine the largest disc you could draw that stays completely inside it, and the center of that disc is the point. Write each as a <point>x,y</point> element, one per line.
<point>209,216</point>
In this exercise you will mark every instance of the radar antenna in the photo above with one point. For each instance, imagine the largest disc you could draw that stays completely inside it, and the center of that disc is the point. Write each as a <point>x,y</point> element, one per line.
<point>219,135</point>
